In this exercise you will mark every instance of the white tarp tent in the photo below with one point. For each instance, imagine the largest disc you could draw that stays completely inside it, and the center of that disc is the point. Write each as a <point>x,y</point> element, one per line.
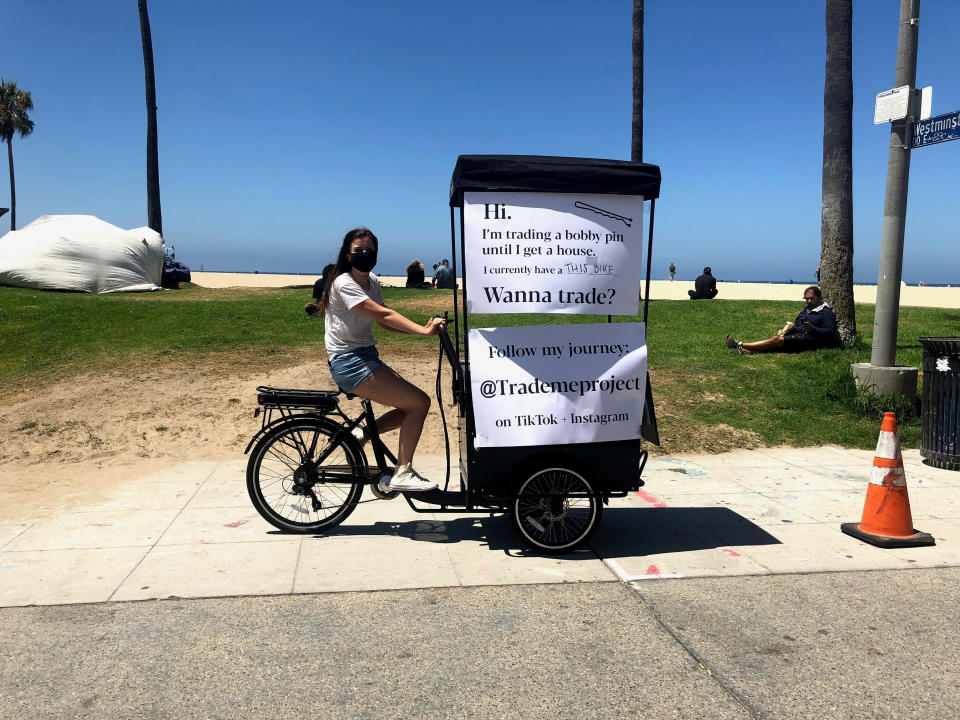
<point>81,253</point>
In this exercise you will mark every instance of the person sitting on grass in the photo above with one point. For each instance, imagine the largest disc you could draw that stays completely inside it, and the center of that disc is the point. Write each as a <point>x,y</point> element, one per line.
<point>706,286</point>
<point>444,279</point>
<point>814,328</point>
<point>415,276</point>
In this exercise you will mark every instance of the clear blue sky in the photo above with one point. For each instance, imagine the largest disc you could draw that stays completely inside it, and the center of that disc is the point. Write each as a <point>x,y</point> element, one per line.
<point>284,124</point>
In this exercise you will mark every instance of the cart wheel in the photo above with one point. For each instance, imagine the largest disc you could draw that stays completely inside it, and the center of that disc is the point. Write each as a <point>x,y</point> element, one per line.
<point>556,510</point>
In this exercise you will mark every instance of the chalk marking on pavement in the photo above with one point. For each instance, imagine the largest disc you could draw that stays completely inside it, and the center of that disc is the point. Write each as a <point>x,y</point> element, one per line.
<point>650,499</point>
<point>624,577</point>
<point>658,576</point>
<point>7,567</point>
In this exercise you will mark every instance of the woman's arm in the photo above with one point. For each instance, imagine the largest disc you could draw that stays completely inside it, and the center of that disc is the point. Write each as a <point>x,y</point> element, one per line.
<point>392,320</point>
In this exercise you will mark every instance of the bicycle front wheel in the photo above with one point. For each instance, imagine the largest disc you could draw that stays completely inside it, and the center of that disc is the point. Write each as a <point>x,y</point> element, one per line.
<point>300,480</point>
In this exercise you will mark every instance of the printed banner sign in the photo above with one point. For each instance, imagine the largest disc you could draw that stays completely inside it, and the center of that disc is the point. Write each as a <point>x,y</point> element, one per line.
<point>552,252</point>
<point>558,384</point>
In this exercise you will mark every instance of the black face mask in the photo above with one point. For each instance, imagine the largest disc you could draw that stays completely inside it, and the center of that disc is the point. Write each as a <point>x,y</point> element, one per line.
<point>363,260</point>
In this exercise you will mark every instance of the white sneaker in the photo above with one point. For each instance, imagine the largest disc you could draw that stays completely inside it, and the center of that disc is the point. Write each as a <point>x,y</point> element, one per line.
<point>360,435</point>
<point>408,479</point>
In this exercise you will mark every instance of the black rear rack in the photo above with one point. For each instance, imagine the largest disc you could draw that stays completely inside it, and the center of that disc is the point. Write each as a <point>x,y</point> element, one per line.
<point>324,400</point>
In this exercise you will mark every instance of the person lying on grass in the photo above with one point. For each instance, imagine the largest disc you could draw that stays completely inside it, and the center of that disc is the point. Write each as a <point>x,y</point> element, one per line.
<point>814,328</point>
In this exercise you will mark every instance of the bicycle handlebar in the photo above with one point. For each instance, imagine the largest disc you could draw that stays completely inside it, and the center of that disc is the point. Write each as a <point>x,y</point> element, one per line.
<point>453,358</point>
<point>447,346</point>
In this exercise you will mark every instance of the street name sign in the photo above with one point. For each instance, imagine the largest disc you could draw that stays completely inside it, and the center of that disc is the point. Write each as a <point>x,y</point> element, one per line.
<point>936,130</point>
<point>892,105</point>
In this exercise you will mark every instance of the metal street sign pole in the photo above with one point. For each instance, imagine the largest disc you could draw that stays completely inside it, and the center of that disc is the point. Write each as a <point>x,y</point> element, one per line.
<point>895,201</point>
<point>882,375</point>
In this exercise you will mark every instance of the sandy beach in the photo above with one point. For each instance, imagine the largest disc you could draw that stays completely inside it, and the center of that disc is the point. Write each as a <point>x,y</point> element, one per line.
<point>910,295</point>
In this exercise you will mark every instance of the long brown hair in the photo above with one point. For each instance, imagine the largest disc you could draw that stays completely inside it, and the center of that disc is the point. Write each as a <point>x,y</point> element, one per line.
<point>343,263</point>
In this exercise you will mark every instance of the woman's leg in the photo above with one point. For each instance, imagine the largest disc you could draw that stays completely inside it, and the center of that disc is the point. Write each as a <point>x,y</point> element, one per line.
<point>389,421</point>
<point>412,404</point>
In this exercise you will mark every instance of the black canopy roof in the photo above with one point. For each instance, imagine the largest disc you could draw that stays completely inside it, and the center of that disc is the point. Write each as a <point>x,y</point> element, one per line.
<point>541,173</point>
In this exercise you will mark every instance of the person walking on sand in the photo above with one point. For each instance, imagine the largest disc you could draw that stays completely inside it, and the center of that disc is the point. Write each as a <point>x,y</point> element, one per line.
<point>351,303</point>
<point>673,271</point>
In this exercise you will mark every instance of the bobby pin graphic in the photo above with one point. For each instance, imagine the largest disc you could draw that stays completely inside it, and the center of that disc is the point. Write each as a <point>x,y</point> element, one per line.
<point>600,211</point>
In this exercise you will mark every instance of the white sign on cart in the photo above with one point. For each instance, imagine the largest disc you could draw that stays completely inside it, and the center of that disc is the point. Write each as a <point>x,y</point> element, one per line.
<point>528,252</point>
<point>558,384</point>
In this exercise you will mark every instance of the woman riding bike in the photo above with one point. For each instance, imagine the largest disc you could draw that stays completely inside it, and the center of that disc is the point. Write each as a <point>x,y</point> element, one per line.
<point>351,302</point>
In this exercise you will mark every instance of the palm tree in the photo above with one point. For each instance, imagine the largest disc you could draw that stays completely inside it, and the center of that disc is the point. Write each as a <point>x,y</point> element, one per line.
<point>636,143</point>
<point>14,105</point>
<point>836,220</point>
<point>154,219</point>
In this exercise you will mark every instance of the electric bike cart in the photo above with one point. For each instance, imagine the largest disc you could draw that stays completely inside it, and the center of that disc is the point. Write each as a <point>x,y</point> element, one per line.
<point>554,492</point>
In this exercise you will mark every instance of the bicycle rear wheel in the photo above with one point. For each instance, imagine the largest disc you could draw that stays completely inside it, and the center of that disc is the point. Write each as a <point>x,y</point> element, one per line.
<point>292,489</point>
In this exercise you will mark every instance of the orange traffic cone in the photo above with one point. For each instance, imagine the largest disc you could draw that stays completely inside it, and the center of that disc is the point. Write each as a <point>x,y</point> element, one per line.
<point>887,521</point>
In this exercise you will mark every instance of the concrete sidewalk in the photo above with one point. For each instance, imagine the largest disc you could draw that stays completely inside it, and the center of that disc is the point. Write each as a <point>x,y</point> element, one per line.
<point>190,531</point>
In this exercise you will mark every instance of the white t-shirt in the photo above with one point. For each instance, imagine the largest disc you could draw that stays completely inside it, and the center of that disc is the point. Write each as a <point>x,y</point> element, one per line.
<point>345,329</point>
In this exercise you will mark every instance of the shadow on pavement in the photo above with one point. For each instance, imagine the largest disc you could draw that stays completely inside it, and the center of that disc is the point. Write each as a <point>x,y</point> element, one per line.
<point>622,532</point>
<point>629,532</point>
<point>494,531</point>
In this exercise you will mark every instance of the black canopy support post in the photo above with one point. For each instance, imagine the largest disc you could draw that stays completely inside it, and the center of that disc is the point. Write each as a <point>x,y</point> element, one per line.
<point>646,292</point>
<point>456,308</point>
<point>648,427</point>
<point>463,254</point>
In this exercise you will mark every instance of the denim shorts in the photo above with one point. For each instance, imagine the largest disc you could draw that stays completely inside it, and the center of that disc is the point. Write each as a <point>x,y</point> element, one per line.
<point>351,368</point>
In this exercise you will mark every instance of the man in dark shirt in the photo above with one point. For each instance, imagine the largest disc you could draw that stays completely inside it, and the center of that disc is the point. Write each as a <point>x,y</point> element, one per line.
<point>320,284</point>
<point>706,287</point>
<point>444,278</point>
<point>815,327</point>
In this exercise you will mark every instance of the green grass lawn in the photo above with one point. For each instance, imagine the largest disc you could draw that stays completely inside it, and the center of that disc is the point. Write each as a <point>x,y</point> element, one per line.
<point>703,393</point>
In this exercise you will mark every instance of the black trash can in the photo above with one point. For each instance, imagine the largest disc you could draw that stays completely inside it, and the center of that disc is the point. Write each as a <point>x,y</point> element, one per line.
<point>940,442</point>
